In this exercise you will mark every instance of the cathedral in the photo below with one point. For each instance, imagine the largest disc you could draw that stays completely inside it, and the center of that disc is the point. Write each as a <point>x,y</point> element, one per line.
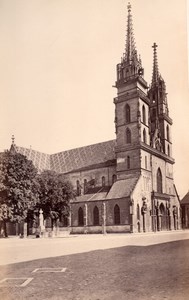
<point>126,184</point>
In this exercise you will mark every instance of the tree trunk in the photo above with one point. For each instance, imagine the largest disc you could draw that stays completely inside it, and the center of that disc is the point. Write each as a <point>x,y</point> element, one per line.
<point>5,229</point>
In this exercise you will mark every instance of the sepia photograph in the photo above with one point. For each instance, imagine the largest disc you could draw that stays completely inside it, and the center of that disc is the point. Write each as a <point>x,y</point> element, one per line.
<point>94,149</point>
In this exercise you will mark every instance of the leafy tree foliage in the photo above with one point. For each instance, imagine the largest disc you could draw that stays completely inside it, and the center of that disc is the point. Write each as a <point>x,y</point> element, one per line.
<point>55,193</point>
<point>18,187</point>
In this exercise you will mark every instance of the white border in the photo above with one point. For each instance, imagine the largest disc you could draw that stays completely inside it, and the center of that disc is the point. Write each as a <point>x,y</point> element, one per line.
<point>49,270</point>
<point>26,281</point>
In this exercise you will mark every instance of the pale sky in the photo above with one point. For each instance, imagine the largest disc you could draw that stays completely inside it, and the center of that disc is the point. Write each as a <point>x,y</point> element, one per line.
<point>58,65</point>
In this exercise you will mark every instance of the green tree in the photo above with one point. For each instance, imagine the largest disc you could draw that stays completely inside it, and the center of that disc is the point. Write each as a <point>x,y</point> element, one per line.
<point>18,187</point>
<point>55,193</point>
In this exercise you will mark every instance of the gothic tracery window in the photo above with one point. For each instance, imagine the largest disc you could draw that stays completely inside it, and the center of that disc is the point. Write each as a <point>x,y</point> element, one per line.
<point>127,113</point>
<point>159,181</point>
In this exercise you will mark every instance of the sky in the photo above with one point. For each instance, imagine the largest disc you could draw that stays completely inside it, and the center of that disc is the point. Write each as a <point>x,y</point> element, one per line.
<point>58,68</point>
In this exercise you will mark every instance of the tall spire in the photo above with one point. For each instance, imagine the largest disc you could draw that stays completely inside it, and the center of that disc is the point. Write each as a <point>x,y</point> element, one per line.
<point>131,65</point>
<point>155,72</point>
<point>130,48</point>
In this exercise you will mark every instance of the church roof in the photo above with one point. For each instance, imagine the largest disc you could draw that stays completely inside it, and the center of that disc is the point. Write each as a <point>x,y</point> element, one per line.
<point>123,188</point>
<point>120,189</point>
<point>91,197</point>
<point>185,200</point>
<point>71,160</point>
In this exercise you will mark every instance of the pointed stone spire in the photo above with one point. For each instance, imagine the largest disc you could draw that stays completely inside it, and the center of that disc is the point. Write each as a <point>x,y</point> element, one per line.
<point>130,47</point>
<point>131,65</point>
<point>155,72</point>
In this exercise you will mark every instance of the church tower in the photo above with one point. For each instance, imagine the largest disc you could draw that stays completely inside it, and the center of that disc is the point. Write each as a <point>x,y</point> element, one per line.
<point>160,122</point>
<point>131,108</point>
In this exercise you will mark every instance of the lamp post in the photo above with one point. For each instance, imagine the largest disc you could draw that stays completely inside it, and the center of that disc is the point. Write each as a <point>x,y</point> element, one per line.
<point>144,211</point>
<point>131,214</point>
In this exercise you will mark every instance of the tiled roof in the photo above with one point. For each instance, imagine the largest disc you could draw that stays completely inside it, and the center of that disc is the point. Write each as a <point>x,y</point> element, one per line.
<point>40,160</point>
<point>185,200</point>
<point>82,157</point>
<point>91,197</point>
<point>122,188</point>
<point>70,160</point>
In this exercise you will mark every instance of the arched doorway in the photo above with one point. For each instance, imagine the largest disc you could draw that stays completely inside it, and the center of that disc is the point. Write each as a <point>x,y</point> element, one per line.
<point>163,217</point>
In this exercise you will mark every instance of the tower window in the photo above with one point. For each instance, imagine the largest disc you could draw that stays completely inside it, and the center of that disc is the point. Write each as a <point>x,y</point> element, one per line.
<point>80,217</point>
<point>103,181</point>
<point>144,135</point>
<point>168,137</point>
<point>95,216</point>
<point>159,181</point>
<point>116,215</point>
<point>128,162</point>
<point>128,113</point>
<point>143,114</point>
<point>128,136</point>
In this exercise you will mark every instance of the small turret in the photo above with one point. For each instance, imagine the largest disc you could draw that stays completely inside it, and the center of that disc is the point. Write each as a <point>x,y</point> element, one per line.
<point>13,148</point>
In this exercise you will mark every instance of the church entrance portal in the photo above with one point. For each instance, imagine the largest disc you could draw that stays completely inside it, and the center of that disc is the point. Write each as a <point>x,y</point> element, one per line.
<point>163,218</point>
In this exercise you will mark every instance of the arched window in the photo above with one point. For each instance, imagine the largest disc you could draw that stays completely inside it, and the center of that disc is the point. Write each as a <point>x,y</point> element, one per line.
<point>95,216</point>
<point>103,181</point>
<point>85,186</point>
<point>168,150</point>
<point>138,212</point>
<point>116,215</point>
<point>128,162</point>
<point>78,188</point>
<point>128,136</point>
<point>127,113</point>
<point>168,137</point>
<point>143,114</point>
<point>144,135</point>
<point>114,178</point>
<point>80,217</point>
<point>159,181</point>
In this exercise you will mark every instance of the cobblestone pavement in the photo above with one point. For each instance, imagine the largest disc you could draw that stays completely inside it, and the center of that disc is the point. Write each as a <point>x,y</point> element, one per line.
<point>14,249</point>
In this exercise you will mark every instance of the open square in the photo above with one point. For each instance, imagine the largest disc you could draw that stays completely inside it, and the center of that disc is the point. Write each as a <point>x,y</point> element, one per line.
<point>138,270</point>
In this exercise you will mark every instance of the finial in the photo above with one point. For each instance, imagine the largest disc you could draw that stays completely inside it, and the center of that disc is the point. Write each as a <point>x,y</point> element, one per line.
<point>129,7</point>
<point>155,74</point>
<point>13,138</point>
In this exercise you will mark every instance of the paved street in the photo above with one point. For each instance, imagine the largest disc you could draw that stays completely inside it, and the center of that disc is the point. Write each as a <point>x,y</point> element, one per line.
<point>14,249</point>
